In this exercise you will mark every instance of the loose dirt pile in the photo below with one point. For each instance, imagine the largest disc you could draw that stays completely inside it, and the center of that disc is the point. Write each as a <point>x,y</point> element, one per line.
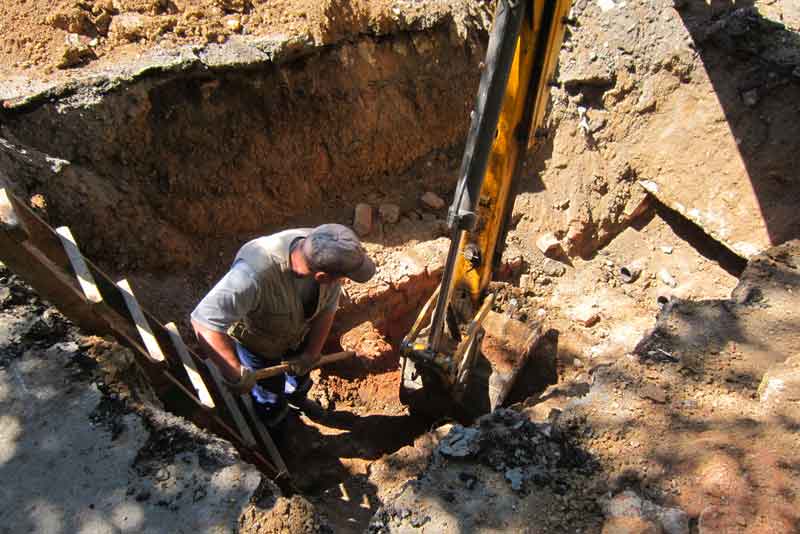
<point>41,37</point>
<point>681,435</point>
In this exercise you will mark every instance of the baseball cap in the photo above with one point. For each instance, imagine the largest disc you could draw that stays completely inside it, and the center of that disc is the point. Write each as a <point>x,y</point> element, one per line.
<point>335,249</point>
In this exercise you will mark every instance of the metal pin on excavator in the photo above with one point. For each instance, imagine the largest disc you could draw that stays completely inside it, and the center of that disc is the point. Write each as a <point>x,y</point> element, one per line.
<point>459,350</point>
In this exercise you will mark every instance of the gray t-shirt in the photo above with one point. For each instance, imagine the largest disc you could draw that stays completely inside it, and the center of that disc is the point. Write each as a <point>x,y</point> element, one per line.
<point>236,294</point>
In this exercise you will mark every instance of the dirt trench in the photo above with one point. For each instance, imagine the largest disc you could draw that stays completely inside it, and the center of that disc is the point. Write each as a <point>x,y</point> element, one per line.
<point>161,177</point>
<point>172,169</point>
<point>164,165</point>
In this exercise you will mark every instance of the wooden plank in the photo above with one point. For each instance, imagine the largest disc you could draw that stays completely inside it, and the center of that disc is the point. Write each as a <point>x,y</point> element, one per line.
<point>230,403</point>
<point>142,326</point>
<point>266,439</point>
<point>191,368</point>
<point>85,278</point>
<point>40,234</point>
<point>9,221</point>
<point>51,283</point>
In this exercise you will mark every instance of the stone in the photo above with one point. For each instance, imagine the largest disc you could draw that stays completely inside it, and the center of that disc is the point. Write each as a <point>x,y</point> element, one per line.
<point>128,27</point>
<point>666,249</point>
<point>233,23</point>
<point>549,244</point>
<point>627,512</point>
<point>585,314</point>
<point>460,442</point>
<point>63,349</point>
<point>750,98</point>
<point>667,278</point>
<point>515,477</point>
<point>553,268</point>
<point>389,213</point>
<point>75,54</point>
<point>781,383</point>
<point>433,201</point>
<point>653,392</point>
<point>625,504</point>
<point>368,343</point>
<point>713,519</point>
<point>362,219</point>
<point>5,296</point>
<point>674,521</point>
<point>720,475</point>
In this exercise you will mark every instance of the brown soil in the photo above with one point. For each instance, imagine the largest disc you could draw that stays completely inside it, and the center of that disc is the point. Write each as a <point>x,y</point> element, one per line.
<point>42,37</point>
<point>163,167</point>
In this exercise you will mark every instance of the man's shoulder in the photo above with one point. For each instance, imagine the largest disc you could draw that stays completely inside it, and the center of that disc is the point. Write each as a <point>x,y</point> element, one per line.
<point>270,252</point>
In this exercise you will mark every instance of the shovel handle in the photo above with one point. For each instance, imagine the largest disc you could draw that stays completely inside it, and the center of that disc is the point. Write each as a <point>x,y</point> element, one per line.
<point>275,370</point>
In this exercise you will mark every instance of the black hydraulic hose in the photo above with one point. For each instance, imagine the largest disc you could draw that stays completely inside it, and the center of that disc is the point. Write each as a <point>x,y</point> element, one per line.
<point>483,128</point>
<point>489,102</point>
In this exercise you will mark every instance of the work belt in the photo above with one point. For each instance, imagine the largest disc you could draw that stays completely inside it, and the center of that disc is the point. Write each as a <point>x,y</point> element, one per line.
<point>262,350</point>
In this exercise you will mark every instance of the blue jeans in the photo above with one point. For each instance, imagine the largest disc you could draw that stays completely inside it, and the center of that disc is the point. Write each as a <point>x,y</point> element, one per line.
<point>273,393</point>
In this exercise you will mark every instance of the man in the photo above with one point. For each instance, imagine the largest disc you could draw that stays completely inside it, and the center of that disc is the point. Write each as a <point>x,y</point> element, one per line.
<point>275,304</point>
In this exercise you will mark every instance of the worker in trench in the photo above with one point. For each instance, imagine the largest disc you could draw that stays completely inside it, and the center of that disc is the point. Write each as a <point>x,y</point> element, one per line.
<point>276,304</point>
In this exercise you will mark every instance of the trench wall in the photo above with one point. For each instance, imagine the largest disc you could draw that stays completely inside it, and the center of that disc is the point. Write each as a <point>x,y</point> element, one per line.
<point>150,173</point>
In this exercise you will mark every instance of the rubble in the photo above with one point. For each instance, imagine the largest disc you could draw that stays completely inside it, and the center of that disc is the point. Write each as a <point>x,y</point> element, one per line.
<point>89,455</point>
<point>548,244</point>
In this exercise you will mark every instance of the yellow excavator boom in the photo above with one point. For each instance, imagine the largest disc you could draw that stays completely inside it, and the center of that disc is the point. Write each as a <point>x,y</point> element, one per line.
<point>521,57</point>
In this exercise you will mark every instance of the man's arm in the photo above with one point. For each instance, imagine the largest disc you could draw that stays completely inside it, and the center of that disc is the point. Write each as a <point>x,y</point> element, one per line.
<point>227,302</point>
<point>320,328</point>
<point>221,348</point>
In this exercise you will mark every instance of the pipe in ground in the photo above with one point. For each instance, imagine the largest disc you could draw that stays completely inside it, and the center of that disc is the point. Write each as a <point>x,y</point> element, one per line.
<point>630,273</point>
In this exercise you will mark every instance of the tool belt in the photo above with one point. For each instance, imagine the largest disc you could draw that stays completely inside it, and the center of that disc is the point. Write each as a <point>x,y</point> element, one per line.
<point>263,349</point>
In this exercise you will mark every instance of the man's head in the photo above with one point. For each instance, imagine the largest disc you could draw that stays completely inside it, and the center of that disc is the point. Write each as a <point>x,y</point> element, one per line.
<point>333,251</point>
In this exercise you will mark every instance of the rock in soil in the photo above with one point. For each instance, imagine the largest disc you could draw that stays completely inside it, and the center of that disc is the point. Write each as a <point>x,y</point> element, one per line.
<point>433,201</point>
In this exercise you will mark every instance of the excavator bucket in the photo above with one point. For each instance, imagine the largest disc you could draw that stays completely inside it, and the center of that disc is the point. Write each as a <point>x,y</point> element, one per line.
<point>507,344</point>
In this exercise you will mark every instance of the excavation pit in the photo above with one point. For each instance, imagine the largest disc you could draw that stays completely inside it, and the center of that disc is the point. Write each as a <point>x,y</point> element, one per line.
<point>163,166</point>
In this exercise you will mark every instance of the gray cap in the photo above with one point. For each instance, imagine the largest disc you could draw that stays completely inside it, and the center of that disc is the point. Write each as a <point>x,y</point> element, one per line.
<point>335,249</point>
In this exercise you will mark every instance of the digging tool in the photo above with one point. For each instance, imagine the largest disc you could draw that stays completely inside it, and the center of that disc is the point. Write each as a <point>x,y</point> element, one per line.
<point>249,379</point>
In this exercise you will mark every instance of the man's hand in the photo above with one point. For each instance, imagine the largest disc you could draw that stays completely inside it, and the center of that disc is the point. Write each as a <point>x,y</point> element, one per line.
<point>302,364</point>
<point>245,382</point>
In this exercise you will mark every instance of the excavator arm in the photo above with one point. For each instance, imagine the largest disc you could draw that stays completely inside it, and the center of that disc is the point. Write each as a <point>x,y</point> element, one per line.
<point>443,347</point>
